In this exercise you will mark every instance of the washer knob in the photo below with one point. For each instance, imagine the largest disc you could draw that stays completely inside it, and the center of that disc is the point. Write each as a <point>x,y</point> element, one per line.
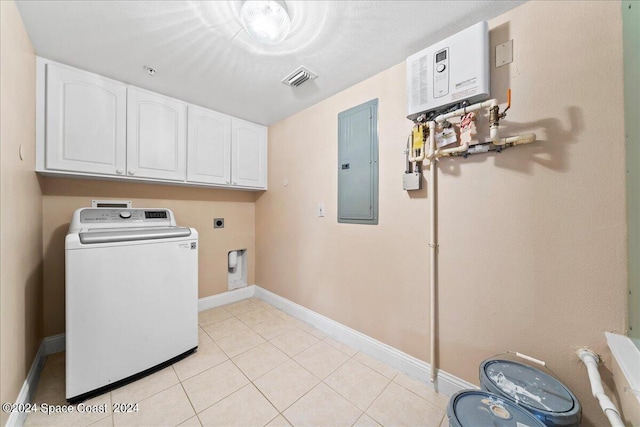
<point>125,214</point>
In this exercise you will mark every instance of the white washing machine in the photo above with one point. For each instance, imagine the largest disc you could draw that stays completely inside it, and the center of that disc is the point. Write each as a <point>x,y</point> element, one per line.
<point>131,297</point>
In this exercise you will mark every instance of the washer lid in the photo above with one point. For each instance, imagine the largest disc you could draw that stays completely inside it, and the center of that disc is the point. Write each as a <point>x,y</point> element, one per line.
<point>480,408</point>
<point>529,386</point>
<point>131,234</point>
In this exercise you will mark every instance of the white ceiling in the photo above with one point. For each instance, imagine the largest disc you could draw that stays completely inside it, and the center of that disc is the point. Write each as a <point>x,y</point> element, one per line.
<point>203,55</point>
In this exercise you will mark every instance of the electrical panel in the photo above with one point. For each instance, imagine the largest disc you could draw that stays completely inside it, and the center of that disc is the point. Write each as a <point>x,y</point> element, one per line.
<point>451,71</point>
<point>358,164</point>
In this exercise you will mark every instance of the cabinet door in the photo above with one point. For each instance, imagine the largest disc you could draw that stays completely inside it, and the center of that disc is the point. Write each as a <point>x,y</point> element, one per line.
<point>156,136</point>
<point>85,122</point>
<point>248,154</point>
<point>208,147</point>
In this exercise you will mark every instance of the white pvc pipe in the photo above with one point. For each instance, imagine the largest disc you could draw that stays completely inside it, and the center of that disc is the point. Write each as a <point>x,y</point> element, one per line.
<point>590,359</point>
<point>464,110</point>
<point>432,155</point>
<point>449,151</point>
<point>525,138</point>
<point>531,359</point>
<point>433,252</point>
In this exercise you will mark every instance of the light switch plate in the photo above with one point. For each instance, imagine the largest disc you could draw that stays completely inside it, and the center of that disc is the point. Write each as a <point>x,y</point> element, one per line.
<point>504,53</point>
<point>320,209</point>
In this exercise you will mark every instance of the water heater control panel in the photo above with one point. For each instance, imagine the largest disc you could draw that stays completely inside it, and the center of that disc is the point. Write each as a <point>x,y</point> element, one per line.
<point>451,71</point>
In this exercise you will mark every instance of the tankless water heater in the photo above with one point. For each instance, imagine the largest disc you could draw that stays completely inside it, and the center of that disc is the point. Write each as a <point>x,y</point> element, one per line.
<point>451,71</point>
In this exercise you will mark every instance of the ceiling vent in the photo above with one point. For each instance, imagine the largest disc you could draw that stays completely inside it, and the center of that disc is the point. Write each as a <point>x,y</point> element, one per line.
<point>299,76</point>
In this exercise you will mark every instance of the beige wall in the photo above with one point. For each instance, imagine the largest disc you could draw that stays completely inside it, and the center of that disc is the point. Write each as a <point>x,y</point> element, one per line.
<point>532,240</point>
<point>194,207</point>
<point>20,209</point>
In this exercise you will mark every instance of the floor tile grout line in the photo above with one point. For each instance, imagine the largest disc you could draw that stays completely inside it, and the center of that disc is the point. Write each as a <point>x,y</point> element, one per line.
<point>189,399</point>
<point>211,323</point>
<point>295,401</point>
<point>353,403</point>
<point>332,338</point>
<point>113,422</point>
<point>217,401</point>
<point>320,381</point>
<point>304,394</point>
<point>282,333</point>
<point>272,419</point>
<point>110,392</point>
<point>257,388</point>
<point>340,366</point>
<point>374,400</point>
<point>206,333</point>
<point>204,370</point>
<point>287,419</point>
<point>269,339</point>
<point>275,367</point>
<point>411,391</point>
<point>266,398</point>
<point>444,415</point>
<point>362,415</point>
<point>330,373</point>
<point>395,372</point>
<point>257,323</point>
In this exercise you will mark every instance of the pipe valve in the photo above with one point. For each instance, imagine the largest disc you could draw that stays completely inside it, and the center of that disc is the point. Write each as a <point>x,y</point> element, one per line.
<point>494,112</point>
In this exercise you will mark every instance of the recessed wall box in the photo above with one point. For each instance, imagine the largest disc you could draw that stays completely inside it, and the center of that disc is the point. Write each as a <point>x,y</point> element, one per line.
<point>451,71</point>
<point>412,181</point>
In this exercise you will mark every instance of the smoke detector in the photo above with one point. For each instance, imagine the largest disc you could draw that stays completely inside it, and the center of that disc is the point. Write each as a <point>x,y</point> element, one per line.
<point>299,76</point>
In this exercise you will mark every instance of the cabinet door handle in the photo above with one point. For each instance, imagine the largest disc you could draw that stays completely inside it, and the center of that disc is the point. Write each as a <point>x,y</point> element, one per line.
<point>132,172</point>
<point>119,171</point>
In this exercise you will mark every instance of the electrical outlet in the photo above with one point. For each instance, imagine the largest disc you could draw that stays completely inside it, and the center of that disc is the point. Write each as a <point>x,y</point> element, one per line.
<point>320,209</point>
<point>218,222</point>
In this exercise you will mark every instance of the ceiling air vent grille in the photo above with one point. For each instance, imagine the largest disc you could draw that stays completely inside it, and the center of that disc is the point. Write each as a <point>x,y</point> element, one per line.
<point>299,76</point>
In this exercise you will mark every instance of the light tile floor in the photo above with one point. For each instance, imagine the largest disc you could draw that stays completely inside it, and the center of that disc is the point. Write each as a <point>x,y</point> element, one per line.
<point>257,366</point>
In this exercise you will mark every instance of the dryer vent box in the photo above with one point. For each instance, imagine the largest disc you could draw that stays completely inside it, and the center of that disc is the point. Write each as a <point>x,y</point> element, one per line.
<point>451,71</point>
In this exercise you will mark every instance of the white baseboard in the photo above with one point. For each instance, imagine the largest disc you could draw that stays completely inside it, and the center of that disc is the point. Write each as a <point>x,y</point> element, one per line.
<point>226,297</point>
<point>446,383</point>
<point>54,344</point>
<point>49,345</point>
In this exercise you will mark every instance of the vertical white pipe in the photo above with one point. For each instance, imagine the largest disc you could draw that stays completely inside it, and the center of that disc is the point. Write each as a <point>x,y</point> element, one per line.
<point>433,250</point>
<point>433,245</point>
<point>590,359</point>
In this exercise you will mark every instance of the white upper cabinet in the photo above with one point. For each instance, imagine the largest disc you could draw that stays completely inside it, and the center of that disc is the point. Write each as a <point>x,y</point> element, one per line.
<point>156,136</point>
<point>208,147</point>
<point>85,123</point>
<point>248,154</point>
<point>89,125</point>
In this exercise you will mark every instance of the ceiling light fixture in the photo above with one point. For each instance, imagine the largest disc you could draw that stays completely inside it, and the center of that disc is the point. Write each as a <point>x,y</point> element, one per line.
<point>266,21</point>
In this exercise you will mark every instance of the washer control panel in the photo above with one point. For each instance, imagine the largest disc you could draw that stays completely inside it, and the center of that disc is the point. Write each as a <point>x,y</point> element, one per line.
<point>102,215</point>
